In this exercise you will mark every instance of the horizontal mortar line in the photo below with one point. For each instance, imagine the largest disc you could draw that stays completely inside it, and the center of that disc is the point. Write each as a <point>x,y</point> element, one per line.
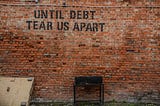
<point>4,4</point>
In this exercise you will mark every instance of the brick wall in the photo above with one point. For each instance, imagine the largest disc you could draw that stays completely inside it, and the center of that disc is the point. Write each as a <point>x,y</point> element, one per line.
<point>126,53</point>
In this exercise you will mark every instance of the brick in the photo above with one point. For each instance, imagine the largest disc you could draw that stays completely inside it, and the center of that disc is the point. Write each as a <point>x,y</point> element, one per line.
<point>125,54</point>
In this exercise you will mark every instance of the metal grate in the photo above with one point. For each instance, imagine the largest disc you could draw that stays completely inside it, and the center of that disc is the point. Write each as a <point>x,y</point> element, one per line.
<point>89,81</point>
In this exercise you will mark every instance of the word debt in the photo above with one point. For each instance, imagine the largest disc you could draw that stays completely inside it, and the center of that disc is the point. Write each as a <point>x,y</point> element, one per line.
<point>58,14</point>
<point>65,26</point>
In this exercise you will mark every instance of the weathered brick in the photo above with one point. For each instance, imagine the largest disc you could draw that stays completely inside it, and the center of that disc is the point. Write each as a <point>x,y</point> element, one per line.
<point>125,53</point>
